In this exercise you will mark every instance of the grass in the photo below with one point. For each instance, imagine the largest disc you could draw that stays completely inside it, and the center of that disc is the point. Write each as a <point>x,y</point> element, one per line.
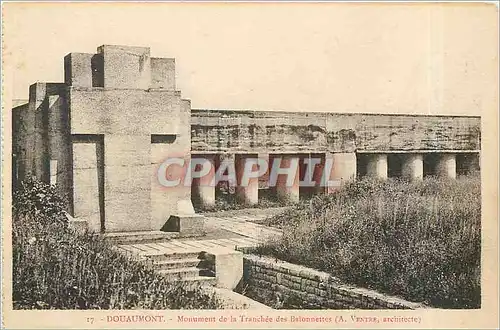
<point>54,268</point>
<point>420,241</point>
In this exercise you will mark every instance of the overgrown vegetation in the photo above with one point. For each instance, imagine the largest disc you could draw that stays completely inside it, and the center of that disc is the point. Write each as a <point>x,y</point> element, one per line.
<point>420,241</point>
<point>54,268</point>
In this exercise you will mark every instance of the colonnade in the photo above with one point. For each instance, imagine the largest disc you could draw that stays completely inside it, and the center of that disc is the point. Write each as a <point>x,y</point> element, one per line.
<point>314,173</point>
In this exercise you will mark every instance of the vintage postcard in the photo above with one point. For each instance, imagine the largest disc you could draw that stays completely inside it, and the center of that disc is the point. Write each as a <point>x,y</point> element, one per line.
<point>249,165</point>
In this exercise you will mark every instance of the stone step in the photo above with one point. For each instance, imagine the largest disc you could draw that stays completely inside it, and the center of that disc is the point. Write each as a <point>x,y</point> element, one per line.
<point>142,237</point>
<point>170,256</point>
<point>180,273</point>
<point>176,263</point>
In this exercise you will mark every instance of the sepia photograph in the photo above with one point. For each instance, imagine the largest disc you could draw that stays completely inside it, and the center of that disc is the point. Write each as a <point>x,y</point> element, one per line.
<point>250,165</point>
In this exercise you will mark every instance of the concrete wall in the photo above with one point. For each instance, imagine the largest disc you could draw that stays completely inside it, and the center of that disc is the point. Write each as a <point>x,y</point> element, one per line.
<point>88,169</point>
<point>59,146</point>
<point>285,132</point>
<point>41,140</point>
<point>20,127</point>
<point>127,119</point>
<point>290,286</point>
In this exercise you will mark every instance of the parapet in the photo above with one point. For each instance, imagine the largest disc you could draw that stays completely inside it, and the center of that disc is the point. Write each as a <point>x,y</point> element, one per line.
<point>119,67</point>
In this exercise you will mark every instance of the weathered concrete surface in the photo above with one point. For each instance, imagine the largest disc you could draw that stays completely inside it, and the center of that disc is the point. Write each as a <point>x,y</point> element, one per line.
<point>248,194</point>
<point>163,73</point>
<point>103,134</point>
<point>285,132</point>
<point>141,129</point>
<point>202,191</point>
<point>413,167</point>
<point>287,186</point>
<point>377,166</point>
<point>185,225</point>
<point>125,66</point>
<point>86,189</point>
<point>164,200</point>
<point>20,131</point>
<point>78,70</point>
<point>343,170</point>
<point>41,137</point>
<point>228,266</point>
<point>447,166</point>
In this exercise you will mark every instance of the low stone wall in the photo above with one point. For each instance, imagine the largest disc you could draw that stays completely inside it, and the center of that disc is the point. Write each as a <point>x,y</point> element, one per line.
<point>281,284</point>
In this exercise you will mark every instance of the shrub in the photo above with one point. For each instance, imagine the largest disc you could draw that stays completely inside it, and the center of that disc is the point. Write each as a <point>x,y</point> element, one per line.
<point>420,241</point>
<point>54,268</point>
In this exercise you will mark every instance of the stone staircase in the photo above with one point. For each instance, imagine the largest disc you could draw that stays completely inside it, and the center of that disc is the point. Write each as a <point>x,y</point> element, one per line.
<point>142,237</point>
<point>188,267</point>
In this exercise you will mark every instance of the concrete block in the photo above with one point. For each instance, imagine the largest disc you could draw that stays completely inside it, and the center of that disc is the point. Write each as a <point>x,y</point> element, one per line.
<point>203,192</point>
<point>128,112</point>
<point>344,168</point>
<point>78,69</point>
<point>185,225</point>
<point>248,194</point>
<point>163,73</point>
<point>127,179</point>
<point>86,185</point>
<point>79,226</point>
<point>127,149</point>
<point>413,167</point>
<point>377,166</point>
<point>127,211</point>
<point>185,207</point>
<point>164,203</point>
<point>126,67</point>
<point>53,171</point>
<point>284,191</point>
<point>447,166</point>
<point>228,267</point>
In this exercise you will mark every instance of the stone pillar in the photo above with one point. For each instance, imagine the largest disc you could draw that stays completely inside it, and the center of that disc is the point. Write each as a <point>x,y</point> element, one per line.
<point>203,192</point>
<point>311,170</point>
<point>447,166</point>
<point>343,168</point>
<point>413,167</point>
<point>248,194</point>
<point>53,171</point>
<point>284,192</point>
<point>318,174</point>
<point>377,166</point>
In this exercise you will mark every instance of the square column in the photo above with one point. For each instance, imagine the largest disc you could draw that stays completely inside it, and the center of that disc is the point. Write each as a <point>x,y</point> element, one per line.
<point>284,191</point>
<point>447,166</point>
<point>311,169</point>
<point>203,192</point>
<point>342,166</point>
<point>247,194</point>
<point>377,166</point>
<point>413,167</point>
<point>318,174</point>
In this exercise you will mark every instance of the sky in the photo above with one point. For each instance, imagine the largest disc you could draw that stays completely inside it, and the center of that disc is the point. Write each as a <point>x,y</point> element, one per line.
<point>335,57</point>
